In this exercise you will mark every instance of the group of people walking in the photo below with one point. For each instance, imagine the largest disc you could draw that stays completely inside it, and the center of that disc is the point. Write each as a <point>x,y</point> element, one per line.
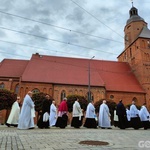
<point>51,116</point>
<point>132,117</point>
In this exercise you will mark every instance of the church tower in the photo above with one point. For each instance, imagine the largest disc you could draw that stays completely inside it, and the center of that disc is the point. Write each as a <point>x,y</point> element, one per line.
<point>137,49</point>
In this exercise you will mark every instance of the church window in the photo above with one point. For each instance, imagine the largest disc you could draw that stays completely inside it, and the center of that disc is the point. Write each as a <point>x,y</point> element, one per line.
<point>128,26</point>
<point>125,55</point>
<point>76,92</point>
<point>35,90</point>
<point>103,94</point>
<point>143,44</point>
<point>2,85</point>
<point>91,96</point>
<point>111,96</point>
<point>17,89</point>
<point>134,99</point>
<point>148,44</point>
<point>81,93</point>
<point>63,94</point>
<point>130,52</point>
<point>133,61</point>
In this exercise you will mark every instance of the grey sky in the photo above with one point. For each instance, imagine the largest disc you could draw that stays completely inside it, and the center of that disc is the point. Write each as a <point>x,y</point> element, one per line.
<point>70,28</point>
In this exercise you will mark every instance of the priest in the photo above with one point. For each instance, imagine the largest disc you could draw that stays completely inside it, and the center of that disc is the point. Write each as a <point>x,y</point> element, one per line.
<point>77,115</point>
<point>62,114</point>
<point>135,119</point>
<point>14,114</point>
<point>26,120</point>
<point>144,116</point>
<point>53,114</point>
<point>90,121</point>
<point>104,116</point>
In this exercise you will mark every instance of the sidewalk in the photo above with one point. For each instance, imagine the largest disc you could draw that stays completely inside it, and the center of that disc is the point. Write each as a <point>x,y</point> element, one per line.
<point>69,138</point>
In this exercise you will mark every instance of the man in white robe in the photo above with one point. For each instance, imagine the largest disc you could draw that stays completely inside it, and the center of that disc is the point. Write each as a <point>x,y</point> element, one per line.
<point>90,121</point>
<point>26,120</point>
<point>144,116</point>
<point>134,114</point>
<point>104,116</point>
<point>53,114</point>
<point>77,115</point>
<point>14,114</point>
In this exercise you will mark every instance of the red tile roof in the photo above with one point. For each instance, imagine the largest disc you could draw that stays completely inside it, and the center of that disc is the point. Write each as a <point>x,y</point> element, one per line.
<point>12,67</point>
<point>115,76</point>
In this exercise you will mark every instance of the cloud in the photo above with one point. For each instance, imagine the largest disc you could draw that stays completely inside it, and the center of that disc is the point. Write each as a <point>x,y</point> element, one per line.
<point>71,28</point>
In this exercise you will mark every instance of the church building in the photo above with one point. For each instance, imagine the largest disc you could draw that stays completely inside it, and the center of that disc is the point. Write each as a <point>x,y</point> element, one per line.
<point>127,79</point>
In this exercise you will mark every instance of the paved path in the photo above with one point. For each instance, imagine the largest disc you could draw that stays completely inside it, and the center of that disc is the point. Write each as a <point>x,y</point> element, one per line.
<point>69,138</point>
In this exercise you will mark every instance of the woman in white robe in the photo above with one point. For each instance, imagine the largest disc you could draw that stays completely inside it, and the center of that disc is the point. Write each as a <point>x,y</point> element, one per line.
<point>26,120</point>
<point>104,116</point>
<point>14,114</point>
<point>53,114</point>
<point>144,116</point>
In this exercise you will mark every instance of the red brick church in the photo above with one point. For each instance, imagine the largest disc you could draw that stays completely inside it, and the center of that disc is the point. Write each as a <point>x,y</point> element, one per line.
<point>127,79</point>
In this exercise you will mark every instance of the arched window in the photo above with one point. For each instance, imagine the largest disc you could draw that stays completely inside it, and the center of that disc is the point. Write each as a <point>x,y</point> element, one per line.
<point>103,94</point>
<point>111,96</point>
<point>98,95</point>
<point>35,91</point>
<point>81,93</point>
<point>76,92</point>
<point>2,86</point>
<point>135,99</point>
<point>17,89</point>
<point>130,52</point>
<point>63,94</point>
<point>143,44</point>
<point>91,96</point>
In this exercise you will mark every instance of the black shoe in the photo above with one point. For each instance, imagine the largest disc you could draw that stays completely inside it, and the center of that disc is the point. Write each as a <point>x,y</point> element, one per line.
<point>8,125</point>
<point>109,128</point>
<point>47,127</point>
<point>102,128</point>
<point>31,128</point>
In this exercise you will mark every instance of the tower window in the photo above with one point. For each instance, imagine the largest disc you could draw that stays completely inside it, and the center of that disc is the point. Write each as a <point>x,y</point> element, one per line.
<point>130,52</point>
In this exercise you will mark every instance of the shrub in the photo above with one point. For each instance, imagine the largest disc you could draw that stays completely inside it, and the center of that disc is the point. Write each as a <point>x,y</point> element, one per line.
<point>71,99</point>
<point>7,98</point>
<point>38,99</point>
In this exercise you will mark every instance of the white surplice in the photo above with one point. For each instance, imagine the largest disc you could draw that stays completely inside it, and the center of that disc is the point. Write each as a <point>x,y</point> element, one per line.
<point>14,114</point>
<point>104,116</point>
<point>53,115</point>
<point>26,120</point>
<point>144,114</point>
<point>134,112</point>
<point>90,111</point>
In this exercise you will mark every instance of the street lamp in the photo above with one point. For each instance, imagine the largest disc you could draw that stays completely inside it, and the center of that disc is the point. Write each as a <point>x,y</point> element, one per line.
<point>89,77</point>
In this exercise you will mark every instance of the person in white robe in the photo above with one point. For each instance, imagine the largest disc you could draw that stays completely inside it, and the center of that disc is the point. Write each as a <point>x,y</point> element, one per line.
<point>26,120</point>
<point>90,121</point>
<point>144,116</point>
<point>14,114</point>
<point>115,119</point>
<point>128,116</point>
<point>104,116</point>
<point>134,114</point>
<point>77,115</point>
<point>53,114</point>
